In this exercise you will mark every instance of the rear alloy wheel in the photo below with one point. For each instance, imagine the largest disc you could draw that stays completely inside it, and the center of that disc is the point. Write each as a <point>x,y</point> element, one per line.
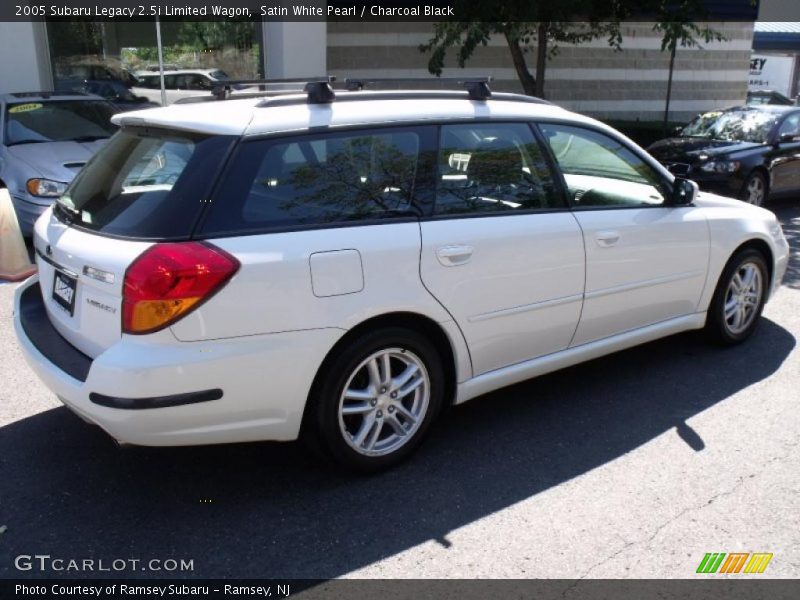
<point>739,298</point>
<point>376,399</point>
<point>755,189</point>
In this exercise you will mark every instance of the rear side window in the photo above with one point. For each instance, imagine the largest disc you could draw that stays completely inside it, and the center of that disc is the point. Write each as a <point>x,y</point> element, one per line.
<point>316,180</point>
<point>145,183</point>
<point>491,168</point>
<point>791,126</point>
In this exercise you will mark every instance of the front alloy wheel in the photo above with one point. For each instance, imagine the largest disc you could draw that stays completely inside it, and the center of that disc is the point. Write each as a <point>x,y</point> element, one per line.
<point>739,298</point>
<point>743,297</point>
<point>755,190</point>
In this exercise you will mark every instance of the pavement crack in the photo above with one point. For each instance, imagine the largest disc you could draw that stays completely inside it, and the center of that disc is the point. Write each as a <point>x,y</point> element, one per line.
<point>689,509</point>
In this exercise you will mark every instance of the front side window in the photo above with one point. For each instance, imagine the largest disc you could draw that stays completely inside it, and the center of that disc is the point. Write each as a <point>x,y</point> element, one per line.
<point>601,171</point>
<point>315,180</point>
<point>491,168</point>
<point>197,82</point>
<point>145,184</point>
<point>58,121</point>
<point>790,126</point>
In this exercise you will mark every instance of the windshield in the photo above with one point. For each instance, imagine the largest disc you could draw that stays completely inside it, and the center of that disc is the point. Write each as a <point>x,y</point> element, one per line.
<point>145,183</point>
<point>219,75</point>
<point>58,121</point>
<point>735,125</point>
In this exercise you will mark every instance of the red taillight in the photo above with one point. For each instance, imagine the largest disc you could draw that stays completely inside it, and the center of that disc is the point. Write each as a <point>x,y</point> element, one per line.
<point>169,280</point>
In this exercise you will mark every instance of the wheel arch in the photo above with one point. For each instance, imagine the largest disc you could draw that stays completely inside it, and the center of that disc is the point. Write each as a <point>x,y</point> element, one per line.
<point>409,320</point>
<point>762,247</point>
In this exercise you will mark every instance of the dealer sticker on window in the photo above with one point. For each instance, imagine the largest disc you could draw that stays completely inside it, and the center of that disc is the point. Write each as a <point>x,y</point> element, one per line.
<point>20,108</point>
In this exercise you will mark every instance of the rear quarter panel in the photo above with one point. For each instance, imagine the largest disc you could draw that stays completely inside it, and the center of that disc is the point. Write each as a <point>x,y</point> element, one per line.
<point>274,291</point>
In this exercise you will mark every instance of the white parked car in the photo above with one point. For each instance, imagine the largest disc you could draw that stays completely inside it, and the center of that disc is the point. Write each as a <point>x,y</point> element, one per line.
<point>343,268</point>
<point>178,84</point>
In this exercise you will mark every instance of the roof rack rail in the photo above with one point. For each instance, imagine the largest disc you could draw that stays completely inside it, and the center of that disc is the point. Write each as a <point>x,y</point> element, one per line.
<point>319,89</point>
<point>477,87</point>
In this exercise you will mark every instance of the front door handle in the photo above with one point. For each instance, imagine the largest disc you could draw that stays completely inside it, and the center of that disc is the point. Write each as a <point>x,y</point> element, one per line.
<point>606,238</point>
<point>452,256</point>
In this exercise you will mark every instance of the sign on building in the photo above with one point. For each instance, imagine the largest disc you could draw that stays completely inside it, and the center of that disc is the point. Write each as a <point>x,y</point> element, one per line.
<point>770,72</point>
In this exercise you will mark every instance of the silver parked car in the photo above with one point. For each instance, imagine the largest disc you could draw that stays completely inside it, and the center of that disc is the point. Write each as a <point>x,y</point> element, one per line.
<point>47,138</point>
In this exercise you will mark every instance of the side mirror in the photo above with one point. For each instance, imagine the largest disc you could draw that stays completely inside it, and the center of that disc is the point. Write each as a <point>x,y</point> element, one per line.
<point>677,131</point>
<point>684,192</point>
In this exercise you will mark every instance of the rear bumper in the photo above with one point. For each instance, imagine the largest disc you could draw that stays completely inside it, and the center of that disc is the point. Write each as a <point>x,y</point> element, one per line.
<point>162,392</point>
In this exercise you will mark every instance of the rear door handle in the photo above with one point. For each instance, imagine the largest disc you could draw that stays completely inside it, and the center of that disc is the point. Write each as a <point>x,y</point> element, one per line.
<point>452,256</point>
<point>606,238</point>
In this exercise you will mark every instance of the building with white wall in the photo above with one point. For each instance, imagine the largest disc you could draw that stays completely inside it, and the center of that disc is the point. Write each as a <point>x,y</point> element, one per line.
<point>591,78</point>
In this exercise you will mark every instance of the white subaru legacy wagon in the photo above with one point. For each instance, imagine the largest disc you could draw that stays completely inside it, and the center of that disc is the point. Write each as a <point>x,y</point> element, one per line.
<point>342,265</point>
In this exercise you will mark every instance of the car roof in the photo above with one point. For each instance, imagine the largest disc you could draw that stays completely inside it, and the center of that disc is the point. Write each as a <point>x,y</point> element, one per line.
<point>291,113</point>
<point>45,96</point>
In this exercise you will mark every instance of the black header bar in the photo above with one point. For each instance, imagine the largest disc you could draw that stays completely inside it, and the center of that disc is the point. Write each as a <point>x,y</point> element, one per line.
<point>342,10</point>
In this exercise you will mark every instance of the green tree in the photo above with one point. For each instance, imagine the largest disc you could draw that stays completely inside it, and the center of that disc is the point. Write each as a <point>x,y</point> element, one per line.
<point>525,22</point>
<point>677,21</point>
<point>553,24</point>
<point>203,35</point>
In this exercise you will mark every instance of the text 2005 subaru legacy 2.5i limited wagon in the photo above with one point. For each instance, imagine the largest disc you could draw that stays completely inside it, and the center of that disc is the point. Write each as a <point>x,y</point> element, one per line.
<point>341,268</point>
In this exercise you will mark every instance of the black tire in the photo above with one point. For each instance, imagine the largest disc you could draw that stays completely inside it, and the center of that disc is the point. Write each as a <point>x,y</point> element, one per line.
<point>324,430</point>
<point>721,329</point>
<point>755,181</point>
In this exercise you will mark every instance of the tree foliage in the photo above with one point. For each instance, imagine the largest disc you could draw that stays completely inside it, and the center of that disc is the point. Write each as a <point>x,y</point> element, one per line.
<point>519,36</point>
<point>523,23</point>
<point>545,26</point>
<point>677,27</point>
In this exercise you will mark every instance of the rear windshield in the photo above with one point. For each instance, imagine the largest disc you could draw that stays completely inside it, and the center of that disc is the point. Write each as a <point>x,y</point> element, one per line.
<point>145,184</point>
<point>59,121</point>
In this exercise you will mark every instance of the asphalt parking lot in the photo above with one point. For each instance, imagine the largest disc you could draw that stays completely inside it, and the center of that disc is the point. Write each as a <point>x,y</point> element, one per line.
<point>633,465</point>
